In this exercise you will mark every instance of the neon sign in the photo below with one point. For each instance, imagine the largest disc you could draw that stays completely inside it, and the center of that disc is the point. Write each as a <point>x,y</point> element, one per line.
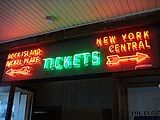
<point>115,59</point>
<point>130,42</point>
<point>112,52</point>
<point>23,71</point>
<point>75,61</point>
<point>125,48</point>
<point>21,63</point>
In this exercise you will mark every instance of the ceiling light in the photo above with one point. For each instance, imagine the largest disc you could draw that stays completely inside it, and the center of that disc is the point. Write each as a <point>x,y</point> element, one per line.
<point>49,18</point>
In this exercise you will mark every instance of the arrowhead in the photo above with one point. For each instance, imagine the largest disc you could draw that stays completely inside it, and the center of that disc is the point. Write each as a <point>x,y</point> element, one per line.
<point>141,57</point>
<point>112,60</point>
<point>9,72</point>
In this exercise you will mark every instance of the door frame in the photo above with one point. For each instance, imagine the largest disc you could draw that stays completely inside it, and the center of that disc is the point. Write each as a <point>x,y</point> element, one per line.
<point>119,77</point>
<point>12,91</point>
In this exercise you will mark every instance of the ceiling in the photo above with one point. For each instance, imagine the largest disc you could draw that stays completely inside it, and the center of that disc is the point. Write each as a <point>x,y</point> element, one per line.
<point>25,18</point>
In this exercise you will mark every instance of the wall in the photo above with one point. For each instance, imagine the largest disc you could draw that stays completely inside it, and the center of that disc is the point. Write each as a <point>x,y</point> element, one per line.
<point>80,99</point>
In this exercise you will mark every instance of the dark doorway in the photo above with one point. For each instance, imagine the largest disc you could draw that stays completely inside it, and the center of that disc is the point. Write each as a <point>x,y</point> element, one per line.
<point>47,113</point>
<point>107,114</point>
